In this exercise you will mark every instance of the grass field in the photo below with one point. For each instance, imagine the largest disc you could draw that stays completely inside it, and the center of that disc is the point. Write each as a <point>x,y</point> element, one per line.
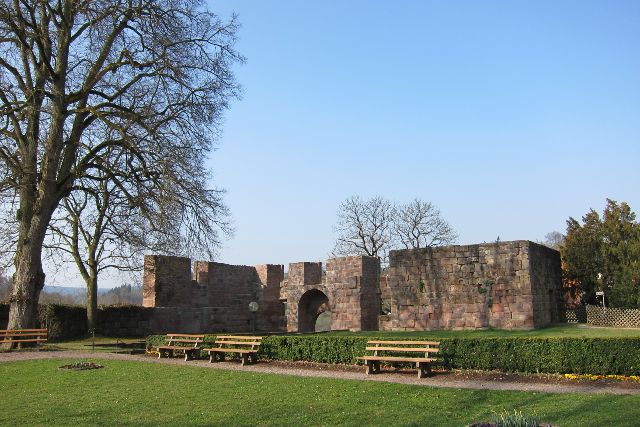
<point>99,344</point>
<point>138,393</point>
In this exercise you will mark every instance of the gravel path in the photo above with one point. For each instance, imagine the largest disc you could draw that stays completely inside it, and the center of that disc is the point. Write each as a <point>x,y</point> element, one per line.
<point>448,380</point>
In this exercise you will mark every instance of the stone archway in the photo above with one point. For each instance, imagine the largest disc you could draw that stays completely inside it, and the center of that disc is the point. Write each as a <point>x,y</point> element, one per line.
<point>311,306</point>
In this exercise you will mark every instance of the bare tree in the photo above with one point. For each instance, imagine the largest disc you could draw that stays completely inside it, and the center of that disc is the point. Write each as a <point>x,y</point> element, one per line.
<point>99,230</point>
<point>84,82</point>
<point>554,240</point>
<point>419,224</point>
<point>364,227</point>
<point>374,226</point>
<point>5,286</point>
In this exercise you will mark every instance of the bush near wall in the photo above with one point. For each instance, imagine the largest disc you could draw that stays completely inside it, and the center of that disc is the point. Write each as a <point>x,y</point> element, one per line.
<point>601,356</point>
<point>62,321</point>
<point>66,322</point>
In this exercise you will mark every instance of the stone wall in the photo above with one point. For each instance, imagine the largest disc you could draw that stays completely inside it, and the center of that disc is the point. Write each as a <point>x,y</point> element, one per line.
<point>166,281</point>
<point>271,307</point>
<point>354,283</point>
<point>505,285</point>
<point>349,290</point>
<point>303,277</point>
<point>215,297</point>
<point>545,273</point>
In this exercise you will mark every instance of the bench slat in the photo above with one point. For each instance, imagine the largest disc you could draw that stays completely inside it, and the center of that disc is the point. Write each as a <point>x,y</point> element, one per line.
<point>239,342</point>
<point>237,338</point>
<point>25,340</point>
<point>177,347</point>
<point>230,350</point>
<point>23,330</point>
<point>404,342</point>
<point>23,335</point>
<point>183,340</point>
<point>405,349</point>
<point>200,336</point>
<point>398,359</point>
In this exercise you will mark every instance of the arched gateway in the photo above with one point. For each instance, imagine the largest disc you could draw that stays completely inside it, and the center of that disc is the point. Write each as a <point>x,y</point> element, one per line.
<point>345,298</point>
<point>312,311</point>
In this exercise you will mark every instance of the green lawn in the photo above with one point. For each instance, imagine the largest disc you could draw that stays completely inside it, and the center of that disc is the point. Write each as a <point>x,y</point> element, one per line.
<point>100,344</point>
<point>569,331</point>
<point>138,393</point>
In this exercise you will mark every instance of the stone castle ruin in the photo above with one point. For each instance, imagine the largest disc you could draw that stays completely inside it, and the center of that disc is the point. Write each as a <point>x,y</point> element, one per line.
<point>504,285</point>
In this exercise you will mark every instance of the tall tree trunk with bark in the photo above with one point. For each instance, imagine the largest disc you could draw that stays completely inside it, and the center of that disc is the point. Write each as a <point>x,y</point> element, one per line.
<point>92,300</point>
<point>29,278</point>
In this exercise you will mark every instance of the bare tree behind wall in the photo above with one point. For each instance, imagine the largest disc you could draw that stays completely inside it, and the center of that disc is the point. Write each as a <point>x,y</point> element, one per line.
<point>419,224</point>
<point>374,226</point>
<point>364,227</point>
<point>157,74</point>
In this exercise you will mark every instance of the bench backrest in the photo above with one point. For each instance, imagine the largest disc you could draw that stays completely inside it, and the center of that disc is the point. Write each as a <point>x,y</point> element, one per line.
<point>426,347</point>
<point>23,335</point>
<point>238,341</point>
<point>184,340</point>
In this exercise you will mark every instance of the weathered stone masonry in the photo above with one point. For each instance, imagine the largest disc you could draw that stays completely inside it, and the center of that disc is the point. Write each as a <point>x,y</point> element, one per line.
<point>503,285</point>
<point>349,291</point>
<point>214,298</point>
<point>506,285</point>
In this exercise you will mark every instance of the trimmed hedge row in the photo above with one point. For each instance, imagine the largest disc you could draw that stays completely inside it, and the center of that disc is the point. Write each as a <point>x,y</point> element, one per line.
<point>63,321</point>
<point>600,356</point>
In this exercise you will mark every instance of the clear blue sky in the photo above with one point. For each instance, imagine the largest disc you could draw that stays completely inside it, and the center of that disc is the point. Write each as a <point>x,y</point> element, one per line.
<point>508,116</point>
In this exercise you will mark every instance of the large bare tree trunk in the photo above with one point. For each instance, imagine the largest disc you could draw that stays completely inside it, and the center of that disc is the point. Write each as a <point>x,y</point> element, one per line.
<point>92,301</point>
<point>28,282</point>
<point>36,208</point>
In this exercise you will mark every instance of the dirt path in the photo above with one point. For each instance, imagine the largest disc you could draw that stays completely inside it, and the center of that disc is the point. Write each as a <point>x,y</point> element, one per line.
<point>466,380</point>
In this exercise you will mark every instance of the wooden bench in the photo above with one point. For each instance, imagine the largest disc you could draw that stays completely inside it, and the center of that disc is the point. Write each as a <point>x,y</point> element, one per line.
<point>418,352</point>
<point>188,344</point>
<point>245,346</point>
<point>20,336</point>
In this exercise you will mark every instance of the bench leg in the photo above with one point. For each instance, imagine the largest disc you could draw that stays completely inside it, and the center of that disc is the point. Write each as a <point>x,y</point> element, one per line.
<point>214,357</point>
<point>424,370</point>
<point>370,367</point>
<point>245,359</point>
<point>159,354</point>
<point>187,355</point>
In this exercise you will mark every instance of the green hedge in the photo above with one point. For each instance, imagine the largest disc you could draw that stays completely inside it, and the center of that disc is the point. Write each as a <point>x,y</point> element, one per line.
<point>64,322</point>
<point>544,355</point>
<point>532,355</point>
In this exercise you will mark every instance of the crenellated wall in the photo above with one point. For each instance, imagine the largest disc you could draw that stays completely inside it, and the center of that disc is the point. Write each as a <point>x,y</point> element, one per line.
<point>220,294</point>
<point>349,291</point>
<point>504,285</point>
